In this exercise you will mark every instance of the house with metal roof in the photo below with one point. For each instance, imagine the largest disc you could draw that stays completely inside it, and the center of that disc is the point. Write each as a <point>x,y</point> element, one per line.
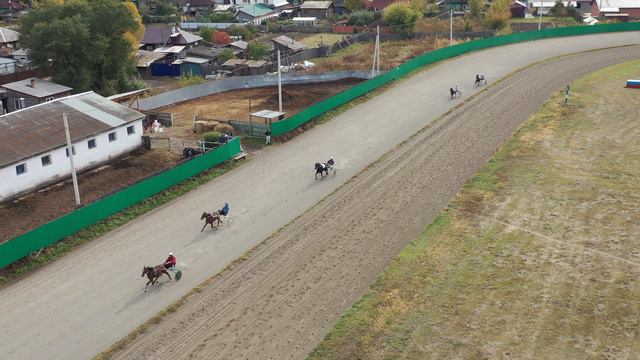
<point>33,148</point>
<point>29,92</point>
<point>616,9</point>
<point>9,38</point>
<point>168,37</point>
<point>254,13</point>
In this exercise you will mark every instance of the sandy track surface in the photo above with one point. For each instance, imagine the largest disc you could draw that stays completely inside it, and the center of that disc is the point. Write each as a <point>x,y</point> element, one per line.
<point>281,302</point>
<point>81,304</point>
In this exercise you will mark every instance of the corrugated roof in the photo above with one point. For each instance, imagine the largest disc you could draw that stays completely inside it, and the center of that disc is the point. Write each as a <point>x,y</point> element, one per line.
<point>146,58</point>
<point>8,35</point>
<point>256,10</point>
<point>39,129</point>
<point>317,5</point>
<point>620,4</point>
<point>169,49</point>
<point>289,43</point>
<point>240,44</point>
<point>42,89</point>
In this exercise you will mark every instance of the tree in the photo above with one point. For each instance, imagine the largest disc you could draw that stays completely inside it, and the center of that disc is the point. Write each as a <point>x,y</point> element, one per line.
<point>353,5</point>
<point>207,34</point>
<point>419,6</point>
<point>165,8</point>
<point>475,8</point>
<point>83,50</point>
<point>221,38</point>
<point>224,56</point>
<point>558,10</point>
<point>402,18</point>
<point>499,14</point>
<point>257,51</point>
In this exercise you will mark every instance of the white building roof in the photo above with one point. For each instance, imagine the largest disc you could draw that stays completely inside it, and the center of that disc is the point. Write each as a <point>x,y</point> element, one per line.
<point>620,4</point>
<point>268,114</point>
<point>170,49</point>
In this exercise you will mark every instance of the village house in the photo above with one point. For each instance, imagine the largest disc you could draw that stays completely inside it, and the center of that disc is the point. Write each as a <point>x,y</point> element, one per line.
<point>318,9</point>
<point>242,67</point>
<point>254,14</point>
<point>377,5</point>
<point>616,9</point>
<point>33,150</point>
<point>145,60</point>
<point>155,38</point>
<point>29,92</point>
<point>518,9</point>
<point>9,38</point>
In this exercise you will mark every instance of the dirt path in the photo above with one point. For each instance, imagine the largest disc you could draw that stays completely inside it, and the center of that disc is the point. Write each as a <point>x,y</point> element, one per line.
<point>280,303</point>
<point>81,304</point>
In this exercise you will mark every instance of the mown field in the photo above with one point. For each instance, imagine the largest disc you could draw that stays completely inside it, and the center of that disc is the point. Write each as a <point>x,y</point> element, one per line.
<point>538,257</point>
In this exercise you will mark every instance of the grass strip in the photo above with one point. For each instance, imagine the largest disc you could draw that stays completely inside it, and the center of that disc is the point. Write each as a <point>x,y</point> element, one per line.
<point>55,251</point>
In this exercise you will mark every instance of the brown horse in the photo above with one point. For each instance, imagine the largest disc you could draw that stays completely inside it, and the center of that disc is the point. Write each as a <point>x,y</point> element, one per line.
<point>153,273</point>
<point>210,219</point>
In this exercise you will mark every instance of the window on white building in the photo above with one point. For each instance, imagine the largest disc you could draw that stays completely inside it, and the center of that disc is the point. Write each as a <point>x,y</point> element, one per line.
<point>46,160</point>
<point>50,98</point>
<point>91,143</point>
<point>113,136</point>
<point>21,169</point>
<point>131,130</point>
<point>73,148</point>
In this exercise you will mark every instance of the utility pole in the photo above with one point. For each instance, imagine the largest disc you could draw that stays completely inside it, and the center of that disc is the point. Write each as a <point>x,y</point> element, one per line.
<point>279,84</point>
<point>375,67</point>
<point>70,152</point>
<point>378,52</point>
<point>539,19</point>
<point>450,27</point>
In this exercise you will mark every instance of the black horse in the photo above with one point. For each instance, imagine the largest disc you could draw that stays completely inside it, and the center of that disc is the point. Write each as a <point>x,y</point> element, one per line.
<point>321,169</point>
<point>480,80</point>
<point>455,92</point>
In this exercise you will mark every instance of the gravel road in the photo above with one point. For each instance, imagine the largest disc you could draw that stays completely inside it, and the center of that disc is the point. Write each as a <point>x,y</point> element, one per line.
<point>283,299</point>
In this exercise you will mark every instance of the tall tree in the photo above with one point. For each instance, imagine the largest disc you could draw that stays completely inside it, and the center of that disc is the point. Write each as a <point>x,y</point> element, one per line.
<point>82,49</point>
<point>353,5</point>
<point>402,18</point>
<point>499,14</point>
<point>475,8</point>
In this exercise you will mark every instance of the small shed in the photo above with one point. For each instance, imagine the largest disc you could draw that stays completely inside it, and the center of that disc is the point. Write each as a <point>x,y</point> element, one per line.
<point>287,45</point>
<point>268,116</point>
<point>242,67</point>
<point>318,9</point>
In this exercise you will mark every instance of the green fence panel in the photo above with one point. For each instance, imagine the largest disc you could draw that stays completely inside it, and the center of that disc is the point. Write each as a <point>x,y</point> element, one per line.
<point>418,62</point>
<point>64,226</point>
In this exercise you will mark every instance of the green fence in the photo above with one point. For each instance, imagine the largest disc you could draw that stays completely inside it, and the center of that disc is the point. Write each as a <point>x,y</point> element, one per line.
<point>59,228</point>
<point>418,62</point>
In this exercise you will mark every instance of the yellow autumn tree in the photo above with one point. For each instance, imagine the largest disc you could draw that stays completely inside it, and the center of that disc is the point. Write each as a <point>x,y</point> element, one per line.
<point>499,14</point>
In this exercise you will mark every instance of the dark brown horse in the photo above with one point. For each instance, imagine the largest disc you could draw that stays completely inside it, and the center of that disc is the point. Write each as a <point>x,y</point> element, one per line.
<point>210,219</point>
<point>153,273</point>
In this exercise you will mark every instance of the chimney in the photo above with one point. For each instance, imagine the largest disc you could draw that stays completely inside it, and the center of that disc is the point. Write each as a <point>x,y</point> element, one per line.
<point>33,83</point>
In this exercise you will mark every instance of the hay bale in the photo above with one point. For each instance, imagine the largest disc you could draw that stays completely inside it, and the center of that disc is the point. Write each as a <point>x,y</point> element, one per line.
<point>210,125</point>
<point>224,128</point>
<point>198,127</point>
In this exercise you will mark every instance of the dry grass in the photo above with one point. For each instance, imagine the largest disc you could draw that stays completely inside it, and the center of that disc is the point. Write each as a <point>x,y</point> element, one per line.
<point>537,257</point>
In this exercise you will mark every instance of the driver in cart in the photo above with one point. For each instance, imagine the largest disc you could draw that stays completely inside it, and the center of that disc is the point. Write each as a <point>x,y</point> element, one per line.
<point>225,210</point>
<point>170,263</point>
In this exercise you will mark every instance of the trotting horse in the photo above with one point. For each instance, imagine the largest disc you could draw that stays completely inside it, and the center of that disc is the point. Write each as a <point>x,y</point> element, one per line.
<point>321,169</point>
<point>480,80</point>
<point>153,273</point>
<point>455,92</point>
<point>210,219</point>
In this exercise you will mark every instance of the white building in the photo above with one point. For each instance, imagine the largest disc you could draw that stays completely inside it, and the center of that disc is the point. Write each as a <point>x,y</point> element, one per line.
<point>33,145</point>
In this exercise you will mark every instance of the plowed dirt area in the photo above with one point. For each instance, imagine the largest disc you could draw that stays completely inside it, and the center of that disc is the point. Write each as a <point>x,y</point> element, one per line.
<point>280,302</point>
<point>51,202</point>
<point>238,104</point>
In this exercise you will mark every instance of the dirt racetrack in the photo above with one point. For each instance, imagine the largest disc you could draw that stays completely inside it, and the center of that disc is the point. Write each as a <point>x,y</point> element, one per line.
<point>85,301</point>
<point>289,293</point>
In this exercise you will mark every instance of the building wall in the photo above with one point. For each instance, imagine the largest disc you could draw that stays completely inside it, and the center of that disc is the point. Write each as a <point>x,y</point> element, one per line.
<point>37,174</point>
<point>28,100</point>
<point>318,13</point>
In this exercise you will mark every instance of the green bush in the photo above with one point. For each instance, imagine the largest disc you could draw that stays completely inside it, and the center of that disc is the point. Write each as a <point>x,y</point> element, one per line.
<point>361,18</point>
<point>258,51</point>
<point>189,79</point>
<point>247,32</point>
<point>211,136</point>
<point>224,56</point>
<point>402,18</point>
